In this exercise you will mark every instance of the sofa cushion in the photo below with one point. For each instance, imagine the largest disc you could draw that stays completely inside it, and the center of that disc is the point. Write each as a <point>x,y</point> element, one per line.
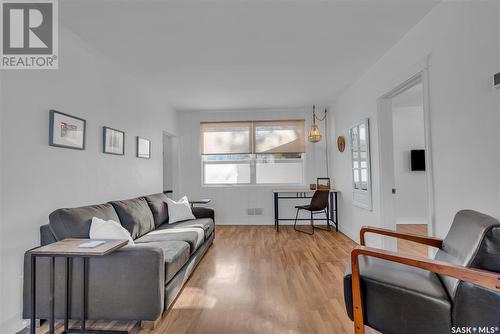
<point>175,253</point>
<point>207,224</point>
<point>158,205</point>
<point>193,236</point>
<point>399,298</point>
<point>135,216</point>
<point>75,222</point>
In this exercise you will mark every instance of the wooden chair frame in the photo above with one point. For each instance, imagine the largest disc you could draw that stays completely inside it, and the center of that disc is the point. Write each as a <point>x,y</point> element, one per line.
<point>485,279</point>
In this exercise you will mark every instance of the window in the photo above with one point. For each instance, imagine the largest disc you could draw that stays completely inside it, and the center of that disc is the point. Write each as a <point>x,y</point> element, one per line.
<point>360,157</point>
<point>254,152</point>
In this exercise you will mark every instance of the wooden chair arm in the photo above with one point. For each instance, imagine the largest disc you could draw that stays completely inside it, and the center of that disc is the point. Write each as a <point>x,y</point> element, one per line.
<point>485,279</point>
<point>421,239</point>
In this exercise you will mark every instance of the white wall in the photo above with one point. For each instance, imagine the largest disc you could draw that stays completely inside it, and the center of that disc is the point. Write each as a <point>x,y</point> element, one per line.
<point>38,178</point>
<point>231,202</point>
<point>410,201</point>
<point>461,39</point>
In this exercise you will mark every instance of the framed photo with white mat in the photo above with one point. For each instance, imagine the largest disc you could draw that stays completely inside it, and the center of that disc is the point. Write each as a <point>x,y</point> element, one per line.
<point>66,131</point>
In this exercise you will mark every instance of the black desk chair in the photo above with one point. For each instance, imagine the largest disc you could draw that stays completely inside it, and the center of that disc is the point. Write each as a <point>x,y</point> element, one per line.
<point>318,205</point>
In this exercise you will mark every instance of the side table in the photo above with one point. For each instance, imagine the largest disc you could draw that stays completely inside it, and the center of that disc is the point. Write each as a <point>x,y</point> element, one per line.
<point>69,249</point>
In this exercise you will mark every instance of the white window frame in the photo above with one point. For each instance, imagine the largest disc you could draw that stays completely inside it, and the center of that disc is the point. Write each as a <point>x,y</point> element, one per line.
<point>253,173</point>
<point>361,198</point>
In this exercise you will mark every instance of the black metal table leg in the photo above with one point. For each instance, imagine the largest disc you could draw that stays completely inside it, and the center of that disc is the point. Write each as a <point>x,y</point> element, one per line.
<point>336,214</point>
<point>68,293</point>
<point>51,296</point>
<point>276,211</point>
<point>33,295</point>
<point>84,294</point>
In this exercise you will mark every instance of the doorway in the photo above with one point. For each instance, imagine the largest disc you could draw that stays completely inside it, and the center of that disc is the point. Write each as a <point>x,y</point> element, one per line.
<point>170,164</point>
<point>406,175</point>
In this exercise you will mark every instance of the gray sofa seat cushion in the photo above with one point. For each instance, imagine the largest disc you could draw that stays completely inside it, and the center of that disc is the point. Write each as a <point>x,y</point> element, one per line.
<point>175,253</point>
<point>75,222</point>
<point>158,205</point>
<point>135,216</point>
<point>193,236</point>
<point>399,298</point>
<point>207,224</point>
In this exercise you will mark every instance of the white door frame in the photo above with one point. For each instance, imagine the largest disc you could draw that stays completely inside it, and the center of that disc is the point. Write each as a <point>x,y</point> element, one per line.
<point>175,164</point>
<point>386,183</point>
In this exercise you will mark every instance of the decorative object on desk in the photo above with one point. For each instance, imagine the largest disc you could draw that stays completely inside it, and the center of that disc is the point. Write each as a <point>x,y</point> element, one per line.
<point>102,229</point>
<point>179,210</point>
<point>341,143</point>
<point>143,148</point>
<point>312,186</point>
<point>323,183</point>
<point>113,141</point>
<point>66,131</point>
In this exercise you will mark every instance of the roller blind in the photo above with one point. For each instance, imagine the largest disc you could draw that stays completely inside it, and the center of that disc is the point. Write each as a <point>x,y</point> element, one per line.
<point>226,138</point>
<point>279,136</point>
<point>264,137</point>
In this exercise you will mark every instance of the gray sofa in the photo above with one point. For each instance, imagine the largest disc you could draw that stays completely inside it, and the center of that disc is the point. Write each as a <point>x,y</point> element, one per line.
<point>135,282</point>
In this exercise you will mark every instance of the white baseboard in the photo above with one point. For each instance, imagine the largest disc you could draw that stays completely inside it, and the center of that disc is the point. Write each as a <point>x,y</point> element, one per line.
<point>264,223</point>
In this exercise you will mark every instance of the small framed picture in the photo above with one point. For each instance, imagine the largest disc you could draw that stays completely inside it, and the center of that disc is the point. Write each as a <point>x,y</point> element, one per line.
<point>323,183</point>
<point>66,131</point>
<point>143,148</point>
<point>113,141</point>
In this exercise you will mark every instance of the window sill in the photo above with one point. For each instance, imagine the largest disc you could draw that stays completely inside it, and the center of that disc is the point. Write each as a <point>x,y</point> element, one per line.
<point>266,185</point>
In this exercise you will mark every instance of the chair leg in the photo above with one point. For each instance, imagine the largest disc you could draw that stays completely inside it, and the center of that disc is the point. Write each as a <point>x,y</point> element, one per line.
<point>328,228</point>
<point>299,230</point>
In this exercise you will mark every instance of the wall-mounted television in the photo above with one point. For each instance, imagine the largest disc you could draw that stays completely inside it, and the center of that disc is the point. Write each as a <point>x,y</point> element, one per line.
<point>417,160</point>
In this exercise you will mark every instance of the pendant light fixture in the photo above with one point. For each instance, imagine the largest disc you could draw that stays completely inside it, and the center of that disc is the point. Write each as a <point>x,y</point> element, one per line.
<point>314,133</point>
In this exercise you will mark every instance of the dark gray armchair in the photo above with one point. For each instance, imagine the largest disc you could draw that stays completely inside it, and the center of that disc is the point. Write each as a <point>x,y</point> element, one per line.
<point>396,293</point>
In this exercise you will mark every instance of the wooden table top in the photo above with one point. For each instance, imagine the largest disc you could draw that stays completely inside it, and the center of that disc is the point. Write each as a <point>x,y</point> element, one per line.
<point>69,247</point>
<point>201,201</point>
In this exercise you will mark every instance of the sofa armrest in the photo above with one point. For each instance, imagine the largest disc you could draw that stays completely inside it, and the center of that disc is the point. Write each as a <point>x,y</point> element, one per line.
<point>127,284</point>
<point>421,239</point>
<point>203,212</point>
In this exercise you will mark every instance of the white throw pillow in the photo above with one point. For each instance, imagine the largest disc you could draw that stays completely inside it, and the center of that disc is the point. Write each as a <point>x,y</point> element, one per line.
<point>102,229</point>
<point>179,211</point>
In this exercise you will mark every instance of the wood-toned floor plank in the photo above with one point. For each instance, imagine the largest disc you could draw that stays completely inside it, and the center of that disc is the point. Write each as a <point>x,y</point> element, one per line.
<point>254,280</point>
<point>409,247</point>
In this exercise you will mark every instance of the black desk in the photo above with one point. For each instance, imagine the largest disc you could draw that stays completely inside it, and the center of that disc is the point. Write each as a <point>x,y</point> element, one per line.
<point>300,193</point>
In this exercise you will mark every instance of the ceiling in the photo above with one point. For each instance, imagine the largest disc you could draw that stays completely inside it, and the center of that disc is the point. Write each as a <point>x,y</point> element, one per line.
<point>207,55</point>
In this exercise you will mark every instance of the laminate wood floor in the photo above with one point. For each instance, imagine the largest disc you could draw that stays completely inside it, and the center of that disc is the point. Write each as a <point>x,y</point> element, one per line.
<point>409,247</point>
<point>254,280</point>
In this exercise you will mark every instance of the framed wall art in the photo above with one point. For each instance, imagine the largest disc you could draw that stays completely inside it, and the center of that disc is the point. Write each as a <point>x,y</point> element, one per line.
<point>113,141</point>
<point>66,131</point>
<point>143,148</point>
